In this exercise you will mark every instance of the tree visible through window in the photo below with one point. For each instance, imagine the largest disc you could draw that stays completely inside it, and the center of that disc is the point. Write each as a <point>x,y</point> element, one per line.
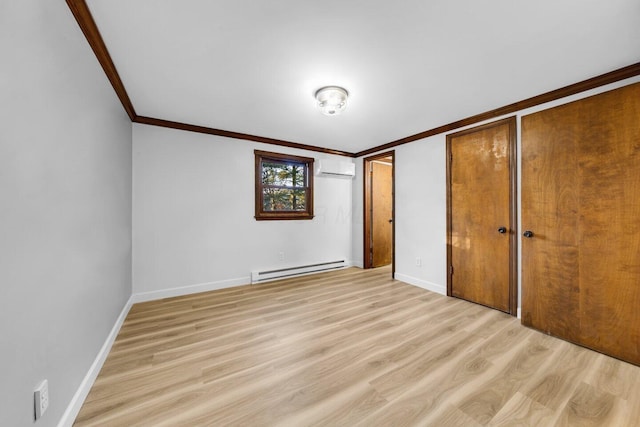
<point>284,186</point>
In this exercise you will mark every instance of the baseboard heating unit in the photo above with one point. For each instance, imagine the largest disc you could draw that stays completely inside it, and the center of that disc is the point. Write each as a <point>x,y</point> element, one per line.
<point>264,276</point>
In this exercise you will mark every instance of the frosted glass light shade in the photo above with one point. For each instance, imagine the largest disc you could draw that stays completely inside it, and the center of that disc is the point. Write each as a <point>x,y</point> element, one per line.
<point>332,100</point>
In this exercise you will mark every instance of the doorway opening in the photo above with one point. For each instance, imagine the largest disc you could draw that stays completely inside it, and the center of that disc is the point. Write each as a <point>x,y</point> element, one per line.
<point>379,210</point>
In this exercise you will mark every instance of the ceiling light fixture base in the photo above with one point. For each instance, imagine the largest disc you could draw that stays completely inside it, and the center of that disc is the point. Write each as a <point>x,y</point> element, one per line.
<point>332,100</point>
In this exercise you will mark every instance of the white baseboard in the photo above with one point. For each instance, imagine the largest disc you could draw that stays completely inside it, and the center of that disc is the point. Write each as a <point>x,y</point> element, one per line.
<point>74,406</point>
<point>190,289</point>
<point>357,263</point>
<point>433,287</point>
<point>205,287</point>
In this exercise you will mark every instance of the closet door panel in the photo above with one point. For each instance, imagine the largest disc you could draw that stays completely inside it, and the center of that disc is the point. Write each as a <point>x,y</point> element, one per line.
<point>480,234</point>
<point>581,200</point>
<point>609,165</point>
<point>550,209</point>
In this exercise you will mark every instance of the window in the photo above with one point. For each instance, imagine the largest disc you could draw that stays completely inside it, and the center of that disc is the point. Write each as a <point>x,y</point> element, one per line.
<point>284,186</point>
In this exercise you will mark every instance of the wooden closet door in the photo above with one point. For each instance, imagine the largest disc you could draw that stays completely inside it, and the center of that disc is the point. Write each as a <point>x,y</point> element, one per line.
<point>581,201</point>
<point>481,215</point>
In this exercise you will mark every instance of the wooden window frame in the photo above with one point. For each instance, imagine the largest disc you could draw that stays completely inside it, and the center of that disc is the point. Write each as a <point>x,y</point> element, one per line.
<point>260,213</point>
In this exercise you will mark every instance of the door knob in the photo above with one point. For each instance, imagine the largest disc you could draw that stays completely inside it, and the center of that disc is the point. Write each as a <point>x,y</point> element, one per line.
<point>391,220</point>
<point>528,234</point>
<point>502,230</point>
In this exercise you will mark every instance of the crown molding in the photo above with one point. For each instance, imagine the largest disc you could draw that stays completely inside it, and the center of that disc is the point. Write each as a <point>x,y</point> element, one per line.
<point>88,26</point>
<point>90,30</point>
<point>592,83</point>
<point>237,135</point>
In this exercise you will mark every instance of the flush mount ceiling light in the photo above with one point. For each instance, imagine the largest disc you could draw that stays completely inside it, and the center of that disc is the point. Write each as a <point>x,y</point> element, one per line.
<point>332,100</point>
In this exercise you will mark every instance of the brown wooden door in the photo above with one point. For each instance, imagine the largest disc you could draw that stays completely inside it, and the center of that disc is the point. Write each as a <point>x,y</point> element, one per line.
<point>381,213</point>
<point>581,201</point>
<point>481,235</point>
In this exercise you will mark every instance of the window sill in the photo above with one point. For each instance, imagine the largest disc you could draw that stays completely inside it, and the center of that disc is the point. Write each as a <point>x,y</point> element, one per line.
<point>279,216</point>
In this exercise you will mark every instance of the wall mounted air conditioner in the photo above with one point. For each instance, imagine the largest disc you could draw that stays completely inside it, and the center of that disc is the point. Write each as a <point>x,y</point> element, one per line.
<point>335,167</point>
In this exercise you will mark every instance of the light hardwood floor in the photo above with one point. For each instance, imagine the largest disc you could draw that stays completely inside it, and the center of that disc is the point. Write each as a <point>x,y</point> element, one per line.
<point>349,348</point>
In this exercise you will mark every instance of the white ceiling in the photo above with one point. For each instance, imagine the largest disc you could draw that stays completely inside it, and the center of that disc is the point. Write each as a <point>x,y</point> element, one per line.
<point>253,66</point>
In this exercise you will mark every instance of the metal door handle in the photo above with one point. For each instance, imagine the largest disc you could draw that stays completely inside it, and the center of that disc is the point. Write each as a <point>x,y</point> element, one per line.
<point>502,230</point>
<point>528,234</point>
<point>391,220</point>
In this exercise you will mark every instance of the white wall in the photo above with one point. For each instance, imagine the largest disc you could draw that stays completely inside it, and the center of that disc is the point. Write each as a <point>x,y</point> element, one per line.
<point>421,213</point>
<point>357,232</point>
<point>65,208</point>
<point>193,225</point>
<point>420,220</point>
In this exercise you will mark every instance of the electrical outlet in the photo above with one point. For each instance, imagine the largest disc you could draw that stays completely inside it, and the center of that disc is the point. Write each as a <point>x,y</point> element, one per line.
<point>419,262</point>
<point>281,256</point>
<point>41,397</point>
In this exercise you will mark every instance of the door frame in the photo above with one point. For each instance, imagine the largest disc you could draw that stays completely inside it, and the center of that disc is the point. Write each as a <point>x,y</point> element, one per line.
<point>513,211</point>
<point>367,205</point>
